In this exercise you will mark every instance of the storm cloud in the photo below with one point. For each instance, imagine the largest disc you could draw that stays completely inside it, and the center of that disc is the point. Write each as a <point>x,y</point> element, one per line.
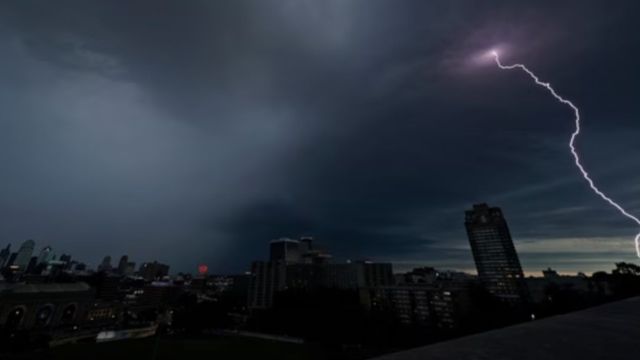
<point>197,131</point>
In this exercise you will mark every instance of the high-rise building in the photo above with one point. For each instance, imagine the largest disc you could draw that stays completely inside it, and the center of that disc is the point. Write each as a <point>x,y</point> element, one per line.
<point>285,250</point>
<point>267,278</point>
<point>420,304</point>
<point>4,255</point>
<point>31,267</point>
<point>494,253</point>
<point>46,255</point>
<point>122,264</point>
<point>130,269</point>
<point>24,254</point>
<point>306,244</point>
<point>105,265</point>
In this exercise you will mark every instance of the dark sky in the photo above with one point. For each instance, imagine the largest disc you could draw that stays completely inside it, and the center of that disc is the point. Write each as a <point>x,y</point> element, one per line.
<point>196,131</point>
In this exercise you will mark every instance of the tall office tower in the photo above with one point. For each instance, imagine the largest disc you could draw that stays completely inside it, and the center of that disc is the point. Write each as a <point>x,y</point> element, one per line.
<point>306,244</point>
<point>4,255</point>
<point>32,266</point>
<point>130,269</point>
<point>285,250</point>
<point>106,264</point>
<point>122,264</point>
<point>46,255</point>
<point>267,278</point>
<point>494,254</point>
<point>24,254</point>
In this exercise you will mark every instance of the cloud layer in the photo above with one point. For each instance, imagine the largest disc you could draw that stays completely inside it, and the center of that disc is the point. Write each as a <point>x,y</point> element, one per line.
<point>196,132</point>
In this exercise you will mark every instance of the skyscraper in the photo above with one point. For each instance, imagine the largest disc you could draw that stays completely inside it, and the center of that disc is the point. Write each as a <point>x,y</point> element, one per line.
<point>494,254</point>
<point>32,266</point>
<point>267,278</point>
<point>285,250</point>
<point>306,244</point>
<point>46,255</point>
<point>131,268</point>
<point>122,264</point>
<point>24,254</point>
<point>105,265</point>
<point>4,255</point>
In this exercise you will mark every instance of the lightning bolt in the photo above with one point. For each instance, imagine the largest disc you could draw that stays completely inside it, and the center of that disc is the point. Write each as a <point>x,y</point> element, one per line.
<point>572,140</point>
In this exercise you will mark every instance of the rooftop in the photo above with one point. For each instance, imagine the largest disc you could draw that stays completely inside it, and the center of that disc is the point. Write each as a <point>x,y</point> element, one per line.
<point>609,331</point>
<point>6,288</point>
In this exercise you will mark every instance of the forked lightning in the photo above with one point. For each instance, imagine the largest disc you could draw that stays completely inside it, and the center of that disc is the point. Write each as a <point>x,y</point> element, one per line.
<point>572,140</point>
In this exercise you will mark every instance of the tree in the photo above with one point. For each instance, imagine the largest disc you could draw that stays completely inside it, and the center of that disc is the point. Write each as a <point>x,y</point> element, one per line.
<point>623,268</point>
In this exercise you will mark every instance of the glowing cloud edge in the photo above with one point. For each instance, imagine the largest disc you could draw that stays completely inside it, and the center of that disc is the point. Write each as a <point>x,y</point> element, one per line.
<point>572,140</point>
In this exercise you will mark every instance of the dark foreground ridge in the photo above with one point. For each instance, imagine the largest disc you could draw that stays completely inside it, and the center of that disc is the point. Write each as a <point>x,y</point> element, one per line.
<point>605,332</point>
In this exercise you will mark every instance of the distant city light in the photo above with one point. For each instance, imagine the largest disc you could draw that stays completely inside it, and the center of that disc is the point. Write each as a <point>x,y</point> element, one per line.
<point>202,269</point>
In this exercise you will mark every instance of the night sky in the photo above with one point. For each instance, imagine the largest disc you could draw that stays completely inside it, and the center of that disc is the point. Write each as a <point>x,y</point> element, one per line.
<point>197,131</point>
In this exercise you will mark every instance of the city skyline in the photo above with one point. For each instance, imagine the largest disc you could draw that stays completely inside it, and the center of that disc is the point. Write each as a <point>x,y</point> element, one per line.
<point>123,266</point>
<point>202,139</point>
